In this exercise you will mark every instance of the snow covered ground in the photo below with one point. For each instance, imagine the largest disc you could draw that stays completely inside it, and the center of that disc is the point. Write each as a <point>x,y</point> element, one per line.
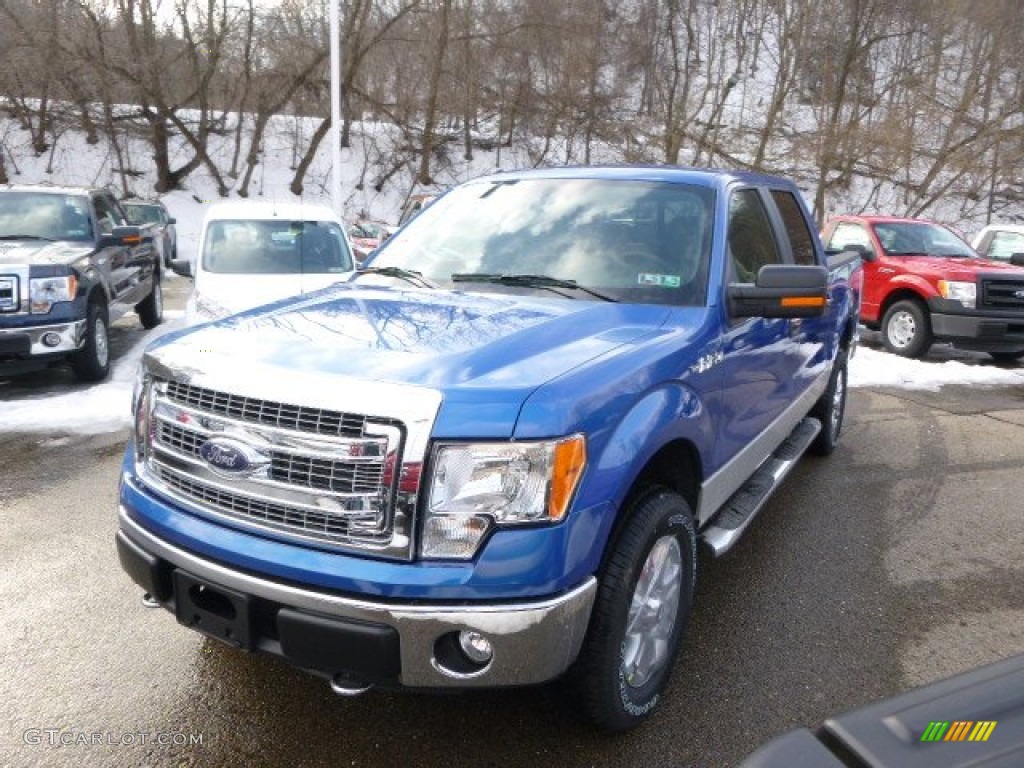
<point>104,407</point>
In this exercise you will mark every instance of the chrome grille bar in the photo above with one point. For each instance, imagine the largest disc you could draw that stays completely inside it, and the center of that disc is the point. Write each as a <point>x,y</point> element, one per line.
<point>319,525</point>
<point>269,412</point>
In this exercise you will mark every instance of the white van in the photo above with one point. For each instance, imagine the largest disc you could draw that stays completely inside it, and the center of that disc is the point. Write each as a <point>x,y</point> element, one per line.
<point>253,253</point>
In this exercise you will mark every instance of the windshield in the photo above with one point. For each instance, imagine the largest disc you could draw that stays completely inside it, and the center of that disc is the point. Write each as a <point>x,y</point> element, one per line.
<point>914,238</point>
<point>142,214</point>
<point>44,215</point>
<point>275,247</point>
<point>642,242</point>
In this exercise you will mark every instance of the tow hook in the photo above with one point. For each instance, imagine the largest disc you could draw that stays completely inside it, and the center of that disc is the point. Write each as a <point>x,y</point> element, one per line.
<point>149,601</point>
<point>344,687</point>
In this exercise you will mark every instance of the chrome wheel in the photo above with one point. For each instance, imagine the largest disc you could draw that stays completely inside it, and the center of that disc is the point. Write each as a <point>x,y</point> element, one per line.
<point>838,403</point>
<point>652,612</point>
<point>902,329</point>
<point>158,298</point>
<point>99,338</point>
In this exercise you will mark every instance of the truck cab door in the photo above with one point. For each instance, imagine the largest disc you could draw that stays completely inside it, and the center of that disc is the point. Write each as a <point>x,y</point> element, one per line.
<point>759,357</point>
<point>116,260</point>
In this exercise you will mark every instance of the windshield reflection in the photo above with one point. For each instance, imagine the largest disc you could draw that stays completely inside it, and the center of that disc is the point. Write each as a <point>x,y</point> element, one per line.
<point>640,242</point>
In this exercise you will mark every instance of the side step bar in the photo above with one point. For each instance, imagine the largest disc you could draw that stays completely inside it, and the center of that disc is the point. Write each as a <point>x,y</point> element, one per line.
<point>736,514</point>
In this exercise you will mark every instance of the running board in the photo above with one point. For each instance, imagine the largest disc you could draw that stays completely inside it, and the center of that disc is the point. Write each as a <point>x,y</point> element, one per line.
<point>742,507</point>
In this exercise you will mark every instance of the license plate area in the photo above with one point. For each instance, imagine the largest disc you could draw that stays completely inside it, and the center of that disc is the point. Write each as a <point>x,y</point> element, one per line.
<point>8,294</point>
<point>220,613</point>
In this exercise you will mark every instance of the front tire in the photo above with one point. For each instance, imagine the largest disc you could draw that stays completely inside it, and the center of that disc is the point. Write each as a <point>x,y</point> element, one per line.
<point>151,308</point>
<point>640,614</point>
<point>907,329</point>
<point>830,409</point>
<point>92,361</point>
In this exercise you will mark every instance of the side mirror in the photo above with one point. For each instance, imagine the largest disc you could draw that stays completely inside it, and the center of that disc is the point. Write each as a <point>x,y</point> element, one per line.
<point>127,235</point>
<point>172,220</point>
<point>781,290</point>
<point>1017,259</point>
<point>860,249</point>
<point>182,267</point>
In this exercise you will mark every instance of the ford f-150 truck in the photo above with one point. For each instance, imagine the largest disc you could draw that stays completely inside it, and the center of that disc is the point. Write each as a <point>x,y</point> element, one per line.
<point>69,266</point>
<point>488,459</point>
<point>923,283</point>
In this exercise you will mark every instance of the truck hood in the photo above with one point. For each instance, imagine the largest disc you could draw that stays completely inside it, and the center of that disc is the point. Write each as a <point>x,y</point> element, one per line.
<point>444,340</point>
<point>955,268</point>
<point>14,252</point>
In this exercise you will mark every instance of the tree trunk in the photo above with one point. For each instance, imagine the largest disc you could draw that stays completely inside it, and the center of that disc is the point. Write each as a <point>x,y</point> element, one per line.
<point>298,180</point>
<point>436,70</point>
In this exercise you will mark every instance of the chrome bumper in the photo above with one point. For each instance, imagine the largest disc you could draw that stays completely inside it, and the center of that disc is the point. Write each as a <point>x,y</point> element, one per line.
<point>533,641</point>
<point>70,334</point>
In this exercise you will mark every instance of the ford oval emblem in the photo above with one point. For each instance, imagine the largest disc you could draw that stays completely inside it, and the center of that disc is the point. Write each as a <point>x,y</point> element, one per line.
<point>231,457</point>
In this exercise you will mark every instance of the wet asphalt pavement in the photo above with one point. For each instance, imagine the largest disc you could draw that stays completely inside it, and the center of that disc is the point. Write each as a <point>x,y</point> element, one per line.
<point>894,562</point>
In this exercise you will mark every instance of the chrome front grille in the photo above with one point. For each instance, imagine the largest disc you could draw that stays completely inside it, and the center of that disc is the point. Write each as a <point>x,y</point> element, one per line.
<point>268,412</point>
<point>312,523</point>
<point>303,473</point>
<point>1002,293</point>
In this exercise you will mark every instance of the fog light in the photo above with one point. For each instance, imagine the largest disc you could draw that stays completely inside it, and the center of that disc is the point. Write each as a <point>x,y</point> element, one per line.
<point>476,647</point>
<point>51,339</point>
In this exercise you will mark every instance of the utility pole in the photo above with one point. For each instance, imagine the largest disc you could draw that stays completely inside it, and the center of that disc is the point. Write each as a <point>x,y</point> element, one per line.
<point>336,81</point>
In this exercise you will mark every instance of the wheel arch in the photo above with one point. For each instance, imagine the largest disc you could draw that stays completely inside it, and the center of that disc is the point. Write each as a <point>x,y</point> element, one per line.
<point>902,293</point>
<point>675,466</point>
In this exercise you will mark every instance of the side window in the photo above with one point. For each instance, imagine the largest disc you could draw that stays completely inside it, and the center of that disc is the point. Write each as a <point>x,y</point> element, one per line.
<point>107,216</point>
<point>751,238</point>
<point>847,234</point>
<point>796,227</point>
<point>1005,244</point>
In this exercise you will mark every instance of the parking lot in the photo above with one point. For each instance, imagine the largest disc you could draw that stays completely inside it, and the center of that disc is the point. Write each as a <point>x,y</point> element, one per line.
<point>894,562</point>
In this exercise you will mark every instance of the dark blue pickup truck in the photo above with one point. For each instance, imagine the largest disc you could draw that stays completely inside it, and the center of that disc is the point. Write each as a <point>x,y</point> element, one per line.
<point>489,458</point>
<point>70,265</point>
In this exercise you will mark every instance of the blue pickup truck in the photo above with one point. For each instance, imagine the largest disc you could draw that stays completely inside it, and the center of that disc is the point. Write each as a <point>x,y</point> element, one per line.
<point>489,458</point>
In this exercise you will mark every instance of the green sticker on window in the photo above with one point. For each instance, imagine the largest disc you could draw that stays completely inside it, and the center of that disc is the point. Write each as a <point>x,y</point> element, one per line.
<point>662,281</point>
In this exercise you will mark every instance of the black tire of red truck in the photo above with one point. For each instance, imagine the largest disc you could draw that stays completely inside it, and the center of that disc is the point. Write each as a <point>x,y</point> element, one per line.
<point>907,329</point>
<point>643,605</point>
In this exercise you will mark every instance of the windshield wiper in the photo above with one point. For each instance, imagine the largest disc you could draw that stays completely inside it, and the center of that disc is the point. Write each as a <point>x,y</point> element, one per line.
<point>409,275</point>
<point>529,281</point>
<point>27,237</point>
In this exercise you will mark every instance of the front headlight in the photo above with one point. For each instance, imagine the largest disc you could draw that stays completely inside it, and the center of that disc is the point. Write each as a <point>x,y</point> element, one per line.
<point>965,293</point>
<point>476,486</point>
<point>142,413</point>
<point>44,292</point>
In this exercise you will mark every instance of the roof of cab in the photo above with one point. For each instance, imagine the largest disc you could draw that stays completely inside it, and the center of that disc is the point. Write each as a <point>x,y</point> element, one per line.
<point>49,189</point>
<point>711,177</point>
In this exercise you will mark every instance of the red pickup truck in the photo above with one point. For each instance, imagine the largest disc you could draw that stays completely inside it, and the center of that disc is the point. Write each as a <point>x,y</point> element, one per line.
<point>923,283</point>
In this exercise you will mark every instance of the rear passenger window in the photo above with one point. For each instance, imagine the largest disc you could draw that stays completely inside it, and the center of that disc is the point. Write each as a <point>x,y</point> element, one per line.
<point>796,227</point>
<point>751,238</point>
